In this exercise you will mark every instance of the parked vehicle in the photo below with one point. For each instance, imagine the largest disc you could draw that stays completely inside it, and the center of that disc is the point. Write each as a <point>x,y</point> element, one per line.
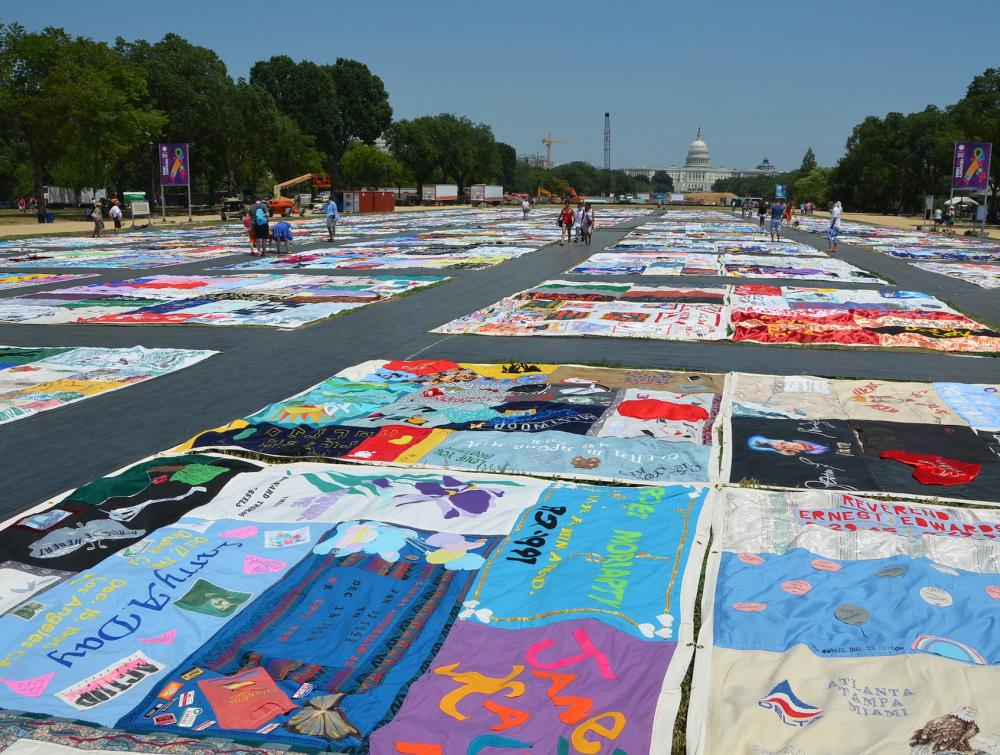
<point>439,193</point>
<point>232,207</point>
<point>481,194</point>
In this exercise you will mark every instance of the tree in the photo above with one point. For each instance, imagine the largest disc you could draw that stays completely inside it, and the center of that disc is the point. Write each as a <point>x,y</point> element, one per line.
<point>662,182</point>
<point>808,162</point>
<point>306,93</point>
<point>71,101</point>
<point>412,143</point>
<point>977,116</point>
<point>189,84</point>
<point>362,103</point>
<point>507,158</point>
<point>466,150</point>
<point>363,166</point>
<point>813,186</point>
<point>261,142</point>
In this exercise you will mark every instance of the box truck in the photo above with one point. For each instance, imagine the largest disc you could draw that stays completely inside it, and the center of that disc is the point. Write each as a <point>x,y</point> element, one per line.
<point>481,194</point>
<point>439,193</point>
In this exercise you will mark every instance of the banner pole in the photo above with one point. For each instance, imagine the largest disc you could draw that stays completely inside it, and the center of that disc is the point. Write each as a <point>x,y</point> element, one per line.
<point>189,180</point>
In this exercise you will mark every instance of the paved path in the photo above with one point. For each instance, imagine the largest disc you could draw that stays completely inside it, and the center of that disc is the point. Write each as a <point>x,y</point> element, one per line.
<point>54,451</point>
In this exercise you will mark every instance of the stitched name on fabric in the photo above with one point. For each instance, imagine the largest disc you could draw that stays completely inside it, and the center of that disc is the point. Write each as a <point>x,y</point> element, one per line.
<point>159,595</point>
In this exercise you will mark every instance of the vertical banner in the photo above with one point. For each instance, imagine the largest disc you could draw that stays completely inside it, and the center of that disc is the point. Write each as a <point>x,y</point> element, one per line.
<point>779,191</point>
<point>971,167</point>
<point>174,165</point>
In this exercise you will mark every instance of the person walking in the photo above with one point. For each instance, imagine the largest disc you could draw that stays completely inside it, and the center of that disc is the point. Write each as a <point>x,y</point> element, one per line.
<point>116,215</point>
<point>21,204</point>
<point>834,231</point>
<point>258,215</point>
<point>98,217</point>
<point>761,212</point>
<point>588,223</point>
<point>566,224</point>
<point>578,223</point>
<point>938,217</point>
<point>777,212</point>
<point>332,217</point>
<point>525,207</point>
<point>789,212</point>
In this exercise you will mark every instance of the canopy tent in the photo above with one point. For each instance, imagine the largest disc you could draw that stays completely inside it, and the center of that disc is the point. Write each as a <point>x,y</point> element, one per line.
<point>961,201</point>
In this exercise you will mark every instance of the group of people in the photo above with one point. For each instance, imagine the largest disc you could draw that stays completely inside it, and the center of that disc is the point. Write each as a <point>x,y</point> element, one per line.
<point>113,210</point>
<point>944,217</point>
<point>261,234</point>
<point>25,205</point>
<point>576,225</point>
<point>784,213</point>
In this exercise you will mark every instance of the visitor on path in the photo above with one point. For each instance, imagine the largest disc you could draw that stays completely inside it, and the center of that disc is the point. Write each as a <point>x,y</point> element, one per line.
<point>831,235</point>
<point>22,205</point>
<point>566,224</point>
<point>98,217</point>
<point>938,217</point>
<point>116,215</point>
<point>761,212</point>
<point>33,203</point>
<point>588,223</point>
<point>777,212</point>
<point>525,207</point>
<point>578,223</point>
<point>949,219</point>
<point>258,214</point>
<point>248,224</point>
<point>789,212</point>
<point>332,216</point>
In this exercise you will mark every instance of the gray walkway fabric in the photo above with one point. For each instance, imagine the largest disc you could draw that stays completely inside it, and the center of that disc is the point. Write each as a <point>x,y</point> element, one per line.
<point>51,452</point>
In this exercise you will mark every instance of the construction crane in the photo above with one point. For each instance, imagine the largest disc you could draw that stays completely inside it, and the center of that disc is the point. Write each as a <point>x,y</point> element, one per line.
<point>548,141</point>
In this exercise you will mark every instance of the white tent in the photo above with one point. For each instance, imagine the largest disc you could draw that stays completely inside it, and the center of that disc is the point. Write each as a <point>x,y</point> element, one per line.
<point>962,201</point>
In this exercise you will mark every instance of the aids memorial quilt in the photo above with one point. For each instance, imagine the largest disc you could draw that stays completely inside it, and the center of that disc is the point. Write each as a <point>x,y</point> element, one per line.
<point>838,623</point>
<point>985,276</point>
<point>886,318</point>
<point>388,256</point>
<point>639,426</point>
<point>641,262</point>
<point>270,300</point>
<point>20,280</point>
<point>36,379</point>
<point>622,310</point>
<point>911,245</point>
<point>334,608</point>
<point>813,268</point>
<point>137,250</point>
<point>937,440</point>
<point>791,315</point>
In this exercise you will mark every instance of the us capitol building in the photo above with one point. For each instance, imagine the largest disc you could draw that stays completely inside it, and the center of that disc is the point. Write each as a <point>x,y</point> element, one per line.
<point>698,173</point>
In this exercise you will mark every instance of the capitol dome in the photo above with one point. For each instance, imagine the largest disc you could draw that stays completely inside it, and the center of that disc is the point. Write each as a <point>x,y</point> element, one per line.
<point>698,156</point>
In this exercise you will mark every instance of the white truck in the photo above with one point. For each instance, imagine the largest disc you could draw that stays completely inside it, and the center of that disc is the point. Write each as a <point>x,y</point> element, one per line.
<point>439,193</point>
<point>481,194</point>
<point>63,196</point>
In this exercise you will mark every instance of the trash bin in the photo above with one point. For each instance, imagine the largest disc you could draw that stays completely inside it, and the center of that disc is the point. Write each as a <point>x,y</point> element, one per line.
<point>50,217</point>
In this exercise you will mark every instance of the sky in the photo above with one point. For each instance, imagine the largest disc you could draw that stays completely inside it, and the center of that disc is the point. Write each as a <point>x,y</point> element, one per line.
<point>760,79</point>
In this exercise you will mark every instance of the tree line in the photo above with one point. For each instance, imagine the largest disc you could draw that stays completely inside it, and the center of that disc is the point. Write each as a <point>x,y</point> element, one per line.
<point>891,163</point>
<point>81,113</point>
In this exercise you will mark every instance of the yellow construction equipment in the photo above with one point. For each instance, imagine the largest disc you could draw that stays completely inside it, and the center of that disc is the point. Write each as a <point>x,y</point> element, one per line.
<point>279,205</point>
